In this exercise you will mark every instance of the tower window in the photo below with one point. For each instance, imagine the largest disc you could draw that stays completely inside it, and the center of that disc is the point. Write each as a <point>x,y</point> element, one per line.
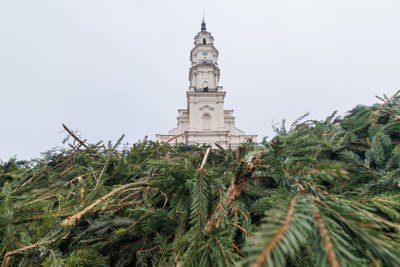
<point>204,41</point>
<point>205,86</point>
<point>206,121</point>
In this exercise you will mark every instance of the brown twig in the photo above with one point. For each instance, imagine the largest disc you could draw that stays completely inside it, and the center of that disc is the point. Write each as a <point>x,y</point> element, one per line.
<point>72,219</point>
<point>328,245</point>
<point>38,244</point>
<point>74,136</point>
<point>237,249</point>
<point>242,229</point>
<point>172,138</point>
<point>109,207</point>
<point>68,169</point>
<point>87,241</point>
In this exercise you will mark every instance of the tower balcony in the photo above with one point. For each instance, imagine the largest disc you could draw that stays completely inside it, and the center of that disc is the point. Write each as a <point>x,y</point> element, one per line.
<point>205,90</point>
<point>208,90</point>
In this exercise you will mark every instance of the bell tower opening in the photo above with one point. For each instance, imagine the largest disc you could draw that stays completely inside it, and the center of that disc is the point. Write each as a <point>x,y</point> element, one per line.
<point>204,41</point>
<point>205,86</point>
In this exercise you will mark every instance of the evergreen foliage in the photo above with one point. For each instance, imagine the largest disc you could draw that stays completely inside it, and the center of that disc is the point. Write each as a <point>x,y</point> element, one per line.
<point>323,193</point>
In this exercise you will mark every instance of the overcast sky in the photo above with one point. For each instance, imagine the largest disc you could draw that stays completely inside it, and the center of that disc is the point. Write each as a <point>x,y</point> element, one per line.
<point>108,68</point>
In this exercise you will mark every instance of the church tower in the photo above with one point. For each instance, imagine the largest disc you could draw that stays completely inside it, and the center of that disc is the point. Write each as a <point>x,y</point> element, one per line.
<point>205,121</point>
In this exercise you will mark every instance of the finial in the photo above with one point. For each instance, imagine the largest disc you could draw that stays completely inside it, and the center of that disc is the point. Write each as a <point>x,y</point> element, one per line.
<point>203,24</point>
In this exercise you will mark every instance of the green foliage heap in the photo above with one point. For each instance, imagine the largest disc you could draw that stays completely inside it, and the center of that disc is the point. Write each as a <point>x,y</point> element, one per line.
<point>323,193</point>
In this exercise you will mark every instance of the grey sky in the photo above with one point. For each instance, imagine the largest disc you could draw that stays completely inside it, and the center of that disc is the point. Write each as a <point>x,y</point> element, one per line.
<point>113,67</point>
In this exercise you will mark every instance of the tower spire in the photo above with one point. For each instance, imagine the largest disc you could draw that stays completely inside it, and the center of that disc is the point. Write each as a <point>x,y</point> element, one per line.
<point>205,121</point>
<point>203,25</point>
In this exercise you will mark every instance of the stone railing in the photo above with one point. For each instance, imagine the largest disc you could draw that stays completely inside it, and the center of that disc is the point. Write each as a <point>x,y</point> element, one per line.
<point>205,90</point>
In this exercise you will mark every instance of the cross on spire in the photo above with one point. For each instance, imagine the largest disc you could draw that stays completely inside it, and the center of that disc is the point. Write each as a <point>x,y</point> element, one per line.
<point>203,25</point>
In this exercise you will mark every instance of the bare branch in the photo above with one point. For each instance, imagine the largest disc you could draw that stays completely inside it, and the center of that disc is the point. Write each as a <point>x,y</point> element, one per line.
<point>205,158</point>
<point>74,136</point>
<point>72,219</point>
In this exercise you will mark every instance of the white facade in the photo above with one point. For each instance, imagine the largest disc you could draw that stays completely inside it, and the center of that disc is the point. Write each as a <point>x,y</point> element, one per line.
<point>205,121</point>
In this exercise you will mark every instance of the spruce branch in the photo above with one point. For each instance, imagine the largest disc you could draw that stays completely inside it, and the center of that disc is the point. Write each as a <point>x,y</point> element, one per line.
<point>277,237</point>
<point>324,233</point>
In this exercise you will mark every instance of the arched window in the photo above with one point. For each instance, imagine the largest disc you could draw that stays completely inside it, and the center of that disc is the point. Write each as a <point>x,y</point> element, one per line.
<point>204,41</point>
<point>206,121</point>
<point>205,86</point>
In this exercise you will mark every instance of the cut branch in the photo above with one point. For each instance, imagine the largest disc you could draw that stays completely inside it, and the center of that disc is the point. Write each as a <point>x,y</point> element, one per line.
<point>240,180</point>
<point>17,251</point>
<point>236,187</point>
<point>72,219</point>
<point>172,138</point>
<point>74,136</point>
<point>11,253</point>
<point>205,158</point>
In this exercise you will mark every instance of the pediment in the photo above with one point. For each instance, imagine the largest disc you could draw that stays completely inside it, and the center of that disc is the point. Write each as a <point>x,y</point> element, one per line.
<point>206,107</point>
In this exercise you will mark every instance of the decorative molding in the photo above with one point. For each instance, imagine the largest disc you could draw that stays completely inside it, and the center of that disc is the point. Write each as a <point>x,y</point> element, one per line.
<point>207,107</point>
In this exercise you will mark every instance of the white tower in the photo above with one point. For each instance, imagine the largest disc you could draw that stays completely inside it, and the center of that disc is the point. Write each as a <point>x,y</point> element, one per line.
<point>205,121</point>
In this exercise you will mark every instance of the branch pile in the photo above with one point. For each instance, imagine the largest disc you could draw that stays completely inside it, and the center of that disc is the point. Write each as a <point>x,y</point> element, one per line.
<point>323,193</point>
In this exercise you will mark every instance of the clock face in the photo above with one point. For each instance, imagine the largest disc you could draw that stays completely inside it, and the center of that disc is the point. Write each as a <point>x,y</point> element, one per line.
<point>204,53</point>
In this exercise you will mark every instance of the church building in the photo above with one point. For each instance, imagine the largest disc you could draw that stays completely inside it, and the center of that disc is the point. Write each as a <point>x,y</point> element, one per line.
<point>205,121</point>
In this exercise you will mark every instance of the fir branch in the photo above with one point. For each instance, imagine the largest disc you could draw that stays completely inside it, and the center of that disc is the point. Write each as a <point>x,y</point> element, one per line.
<point>263,257</point>
<point>324,233</point>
